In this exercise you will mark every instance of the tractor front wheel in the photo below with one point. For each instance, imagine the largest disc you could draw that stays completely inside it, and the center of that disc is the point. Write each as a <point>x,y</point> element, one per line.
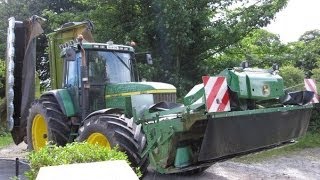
<point>115,130</point>
<point>46,123</point>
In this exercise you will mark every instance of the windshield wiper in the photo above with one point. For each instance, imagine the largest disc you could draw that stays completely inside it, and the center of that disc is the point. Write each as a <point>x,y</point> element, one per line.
<point>121,60</point>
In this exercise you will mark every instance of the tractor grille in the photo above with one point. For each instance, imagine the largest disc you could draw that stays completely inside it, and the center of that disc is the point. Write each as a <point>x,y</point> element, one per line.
<point>168,97</point>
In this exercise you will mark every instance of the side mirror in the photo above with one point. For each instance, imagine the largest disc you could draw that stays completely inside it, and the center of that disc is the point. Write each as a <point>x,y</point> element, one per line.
<point>275,66</point>
<point>149,58</point>
<point>244,64</point>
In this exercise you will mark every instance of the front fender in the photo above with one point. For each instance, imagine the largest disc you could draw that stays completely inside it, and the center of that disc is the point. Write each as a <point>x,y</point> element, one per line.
<point>106,111</point>
<point>64,100</point>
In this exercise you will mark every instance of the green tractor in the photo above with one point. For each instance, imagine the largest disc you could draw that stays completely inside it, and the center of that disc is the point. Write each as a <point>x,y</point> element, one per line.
<point>96,97</point>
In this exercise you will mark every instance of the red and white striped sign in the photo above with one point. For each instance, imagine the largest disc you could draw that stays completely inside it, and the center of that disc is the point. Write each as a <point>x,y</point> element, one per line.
<point>216,93</point>
<point>310,85</point>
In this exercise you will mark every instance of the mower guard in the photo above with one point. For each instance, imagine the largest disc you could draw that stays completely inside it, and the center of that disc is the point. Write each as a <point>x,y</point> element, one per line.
<point>20,81</point>
<point>238,134</point>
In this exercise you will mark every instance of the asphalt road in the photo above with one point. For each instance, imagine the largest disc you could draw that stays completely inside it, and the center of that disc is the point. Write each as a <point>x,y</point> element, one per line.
<point>8,169</point>
<point>304,164</point>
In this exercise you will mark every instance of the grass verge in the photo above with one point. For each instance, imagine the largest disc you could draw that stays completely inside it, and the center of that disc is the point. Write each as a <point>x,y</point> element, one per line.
<point>5,140</point>
<point>310,140</point>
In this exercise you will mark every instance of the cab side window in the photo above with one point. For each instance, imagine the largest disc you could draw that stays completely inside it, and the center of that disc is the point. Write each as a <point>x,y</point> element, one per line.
<point>73,72</point>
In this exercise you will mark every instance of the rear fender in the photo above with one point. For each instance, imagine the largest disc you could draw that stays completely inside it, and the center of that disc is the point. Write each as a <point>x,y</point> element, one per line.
<point>64,100</point>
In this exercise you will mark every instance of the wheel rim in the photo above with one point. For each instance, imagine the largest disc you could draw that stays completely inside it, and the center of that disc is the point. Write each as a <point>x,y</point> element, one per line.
<point>39,132</point>
<point>100,139</point>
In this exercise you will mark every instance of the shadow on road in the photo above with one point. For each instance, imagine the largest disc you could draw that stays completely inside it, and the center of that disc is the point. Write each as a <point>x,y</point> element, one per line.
<point>152,175</point>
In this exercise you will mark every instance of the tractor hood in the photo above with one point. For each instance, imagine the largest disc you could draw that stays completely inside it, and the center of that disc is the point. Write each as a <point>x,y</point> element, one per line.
<point>137,96</point>
<point>135,88</point>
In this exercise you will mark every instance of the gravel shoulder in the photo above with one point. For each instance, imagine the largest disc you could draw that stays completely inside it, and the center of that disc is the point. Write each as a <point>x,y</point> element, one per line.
<point>14,151</point>
<point>303,164</point>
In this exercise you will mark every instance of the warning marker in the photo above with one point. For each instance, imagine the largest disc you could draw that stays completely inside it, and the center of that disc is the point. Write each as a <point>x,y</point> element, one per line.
<point>310,85</point>
<point>216,93</point>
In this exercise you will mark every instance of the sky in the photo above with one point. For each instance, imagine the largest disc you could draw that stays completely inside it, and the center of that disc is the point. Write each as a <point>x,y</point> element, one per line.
<point>296,18</point>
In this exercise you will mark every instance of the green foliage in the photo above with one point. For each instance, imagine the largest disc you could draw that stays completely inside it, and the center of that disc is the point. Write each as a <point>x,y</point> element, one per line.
<point>243,19</point>
<point>179,33</point>
<point>14,178</point>
<point>292,76</point>
<point>17,8</point>
<point>3,116</point>
<point>310,140</point>
<point>56,20</point>
<point>60,12</point>
<point>146,71</point>
<point>5,139</point>
<point>2,77</point>
<point>316,77</point>
<point>314,125</point>
<point>260,48</point>
<point>71,153</point>
<point>316,74</point>
<point>305,53</point>
<point>309,36</point>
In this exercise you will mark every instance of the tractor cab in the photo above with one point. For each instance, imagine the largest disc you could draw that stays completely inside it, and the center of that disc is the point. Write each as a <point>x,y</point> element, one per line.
<point>113,62</point>
<point>106,64</point>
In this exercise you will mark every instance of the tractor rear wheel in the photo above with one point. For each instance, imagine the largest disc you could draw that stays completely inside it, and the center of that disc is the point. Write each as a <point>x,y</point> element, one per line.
<point>46,123</point>
<point>112,130</point>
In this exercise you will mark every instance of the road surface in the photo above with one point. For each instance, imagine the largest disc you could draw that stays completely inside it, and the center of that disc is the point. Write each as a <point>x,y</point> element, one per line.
<point>303,164</point>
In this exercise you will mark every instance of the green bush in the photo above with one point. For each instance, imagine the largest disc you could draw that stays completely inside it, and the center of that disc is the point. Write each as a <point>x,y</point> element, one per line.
<point>3,116</point>
<point>5,139</point>
<point>52,155</point>
<point>314,125</point>
<point>292,76</point>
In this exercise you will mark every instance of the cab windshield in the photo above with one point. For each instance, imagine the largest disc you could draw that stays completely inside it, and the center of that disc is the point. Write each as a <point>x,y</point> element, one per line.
<point>109,66</point>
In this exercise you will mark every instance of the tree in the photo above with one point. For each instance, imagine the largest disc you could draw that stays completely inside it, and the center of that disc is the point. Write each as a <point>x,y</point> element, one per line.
<point>260,48</point>
<point>180,33</point>
<point>2,78</point>
<point>309,36</point>
<point>292,76</point>
<point>62,11</point>
<point>16,8</point>
<point>305,53</point>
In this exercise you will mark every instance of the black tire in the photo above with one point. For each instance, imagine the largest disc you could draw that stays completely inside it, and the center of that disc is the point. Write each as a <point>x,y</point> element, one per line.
<point>57,124</point>
<point>120,131</point>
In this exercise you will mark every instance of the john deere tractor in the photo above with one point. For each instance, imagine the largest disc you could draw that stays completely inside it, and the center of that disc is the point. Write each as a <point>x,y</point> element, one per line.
<point>96,97</point>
